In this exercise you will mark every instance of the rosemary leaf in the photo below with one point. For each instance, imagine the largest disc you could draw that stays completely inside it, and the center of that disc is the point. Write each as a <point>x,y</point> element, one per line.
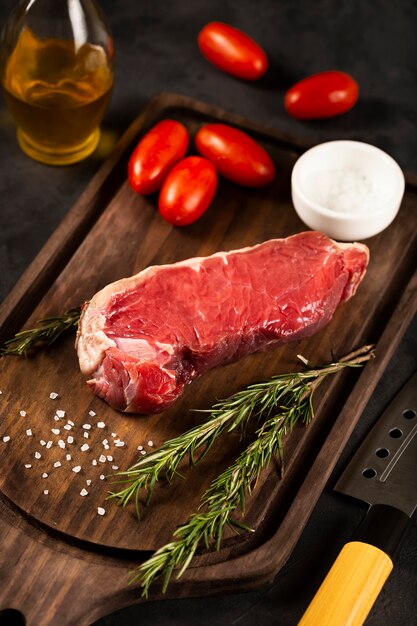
<point>47,331</point>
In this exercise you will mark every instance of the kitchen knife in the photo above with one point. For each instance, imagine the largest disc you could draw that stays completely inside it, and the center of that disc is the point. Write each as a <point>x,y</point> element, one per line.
<point>382,473</point>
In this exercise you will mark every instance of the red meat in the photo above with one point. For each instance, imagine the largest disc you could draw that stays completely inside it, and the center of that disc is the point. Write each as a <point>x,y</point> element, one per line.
<point>141,339</point>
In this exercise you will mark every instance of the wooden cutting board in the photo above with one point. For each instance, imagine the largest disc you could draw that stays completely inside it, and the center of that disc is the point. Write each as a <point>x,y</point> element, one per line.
<point>62,562</point>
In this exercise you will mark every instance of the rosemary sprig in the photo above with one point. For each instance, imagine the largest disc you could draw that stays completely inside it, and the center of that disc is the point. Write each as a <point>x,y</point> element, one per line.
<point>228,491</point>
<point>47,331</point>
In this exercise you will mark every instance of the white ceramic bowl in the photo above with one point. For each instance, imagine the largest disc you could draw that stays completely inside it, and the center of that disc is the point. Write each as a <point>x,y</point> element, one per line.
<point>343,166</point>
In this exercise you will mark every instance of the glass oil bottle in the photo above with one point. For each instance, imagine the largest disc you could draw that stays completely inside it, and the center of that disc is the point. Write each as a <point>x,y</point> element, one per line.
<point>57,77</point>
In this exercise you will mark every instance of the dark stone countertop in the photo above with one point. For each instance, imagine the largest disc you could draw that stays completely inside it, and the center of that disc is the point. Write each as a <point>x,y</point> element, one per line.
<point>156,51</point>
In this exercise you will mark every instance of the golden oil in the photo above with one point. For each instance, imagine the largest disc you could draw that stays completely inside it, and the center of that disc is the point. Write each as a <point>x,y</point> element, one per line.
<point>57,95</point>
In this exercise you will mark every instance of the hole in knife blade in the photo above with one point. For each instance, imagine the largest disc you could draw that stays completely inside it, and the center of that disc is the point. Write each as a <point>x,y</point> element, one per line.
<point>369,472</point>
<point>409,414</point>
<point>12,617</point>
<point>395,433</point>
<point>382,453</point>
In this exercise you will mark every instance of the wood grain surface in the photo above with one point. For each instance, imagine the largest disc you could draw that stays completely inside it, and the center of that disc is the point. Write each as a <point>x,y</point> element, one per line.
<point>111,233</point>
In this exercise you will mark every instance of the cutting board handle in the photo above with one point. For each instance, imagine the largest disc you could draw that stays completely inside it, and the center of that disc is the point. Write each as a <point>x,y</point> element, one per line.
<point>356,578</point>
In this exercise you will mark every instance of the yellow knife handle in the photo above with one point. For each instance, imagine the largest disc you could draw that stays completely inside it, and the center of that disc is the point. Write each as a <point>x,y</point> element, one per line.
<point>352,585</point>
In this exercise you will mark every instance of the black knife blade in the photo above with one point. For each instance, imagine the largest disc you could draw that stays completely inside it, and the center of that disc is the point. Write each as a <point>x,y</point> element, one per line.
<point>384,468</point>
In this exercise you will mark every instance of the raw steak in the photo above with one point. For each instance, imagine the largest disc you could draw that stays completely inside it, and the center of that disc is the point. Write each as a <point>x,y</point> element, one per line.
<point>141,339</point>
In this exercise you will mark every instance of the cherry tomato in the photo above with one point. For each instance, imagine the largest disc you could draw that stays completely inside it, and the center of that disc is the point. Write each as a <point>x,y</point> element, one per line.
<point>187,191</point>
<point>156,153</point>
<point>235,155</point>
<point>322,95</point>
<point>232,51</point>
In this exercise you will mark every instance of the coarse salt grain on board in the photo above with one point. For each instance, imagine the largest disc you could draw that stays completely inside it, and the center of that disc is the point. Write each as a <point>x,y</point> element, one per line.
<point>49,445</point>
<point>150,444</point>
<point>68,457</point>
<point>115,467</point>
<point>46,491</point>
<point>67,427</point>
<point>44,475</point>
<point>28,465</point>
<point>109,458</point>
<point>101,425</point>
<point>86,426</point>
<point>60,413</point>
<point>106,446</point>
<point>94,462</point>
<point>102,477</point>
<point>85,447</point>
<point>71,423</point>
<point>38,455</point>
<point>86,435</point>
<point>22,413</point>
<point>92,413</point>
<point>143,451</point>
<point>53,395</point>
<point>61,444</point>
<point>29,432</point>
<point>83,492</point>
<point>76,469</point>
<point>42,442</point>
<point>140,447</point>
<point>101,511</point>
<point>56,418</point>
<point>88,482</point>
<point>114,435</point>
<point>57,464</point>
<point>102,458</point>
<point>55,431</point>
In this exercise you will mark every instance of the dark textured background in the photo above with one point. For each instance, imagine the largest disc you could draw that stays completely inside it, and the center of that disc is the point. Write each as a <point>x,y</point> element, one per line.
<point>156,51</point>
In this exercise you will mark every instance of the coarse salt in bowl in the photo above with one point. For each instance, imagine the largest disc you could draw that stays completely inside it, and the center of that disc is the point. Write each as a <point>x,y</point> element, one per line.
<point>347,189</point>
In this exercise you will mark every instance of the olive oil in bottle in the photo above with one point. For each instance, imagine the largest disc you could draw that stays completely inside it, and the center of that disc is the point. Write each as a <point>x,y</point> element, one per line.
<point>57,90</point>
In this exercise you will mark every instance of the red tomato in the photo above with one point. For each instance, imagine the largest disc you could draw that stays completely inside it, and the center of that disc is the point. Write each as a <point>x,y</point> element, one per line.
<point>235,155</point>
<point>187,191</point>
<point>322,95</point>
<point>156,153</point>
<point>230,50</point>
